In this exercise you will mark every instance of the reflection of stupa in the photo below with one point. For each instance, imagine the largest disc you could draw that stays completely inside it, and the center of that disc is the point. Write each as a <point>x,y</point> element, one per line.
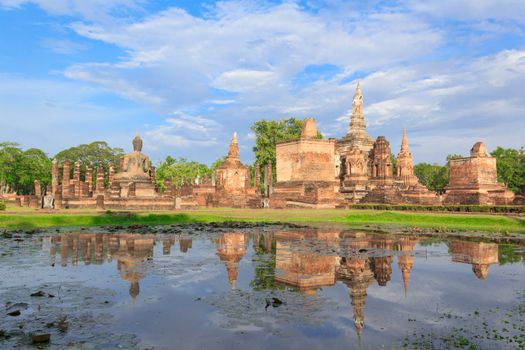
<point>479,255</point>
<point>185,244</point>
<point>231,247</point>
<point>355,273</point>
<point>167,243</point>
<point>406,261</point>
<point>382,265</point>
<point>297,266</point>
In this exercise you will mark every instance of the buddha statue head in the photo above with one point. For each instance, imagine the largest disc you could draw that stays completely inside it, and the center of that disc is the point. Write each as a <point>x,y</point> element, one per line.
<point>137,143</point>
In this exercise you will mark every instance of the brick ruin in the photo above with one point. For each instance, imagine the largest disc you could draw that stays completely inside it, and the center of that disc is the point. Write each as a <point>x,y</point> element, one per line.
<point>133,187</point>
<point>474,180</point>
<point>329,173</point>
<point>305,171</point>
<point>232,182</point>
<point>310,173</point>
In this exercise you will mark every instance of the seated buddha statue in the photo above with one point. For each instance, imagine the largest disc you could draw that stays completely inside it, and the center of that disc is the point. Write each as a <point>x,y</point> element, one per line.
<point>135,166</point>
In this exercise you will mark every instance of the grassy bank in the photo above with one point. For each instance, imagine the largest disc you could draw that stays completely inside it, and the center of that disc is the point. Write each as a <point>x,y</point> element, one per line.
<point>354,218</point>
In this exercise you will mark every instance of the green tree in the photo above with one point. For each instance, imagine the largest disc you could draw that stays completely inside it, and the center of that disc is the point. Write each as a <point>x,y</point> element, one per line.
<point>33,165</point>
<point>394,163</point>
<point>180,170</point>
<point>268,133</point>
<point>95,154</point>
<point>511,167</point>
<point>434,176</point>
<point>215,164</point>
<point>10,153</point>
<point>19,169</point>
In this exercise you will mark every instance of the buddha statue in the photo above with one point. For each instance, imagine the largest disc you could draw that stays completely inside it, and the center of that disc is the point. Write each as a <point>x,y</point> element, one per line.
<point>135,177</point>
<point>136,165</point>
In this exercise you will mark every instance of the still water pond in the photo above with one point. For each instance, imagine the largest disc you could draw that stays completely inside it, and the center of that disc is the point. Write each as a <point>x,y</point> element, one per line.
<point>208,287</point>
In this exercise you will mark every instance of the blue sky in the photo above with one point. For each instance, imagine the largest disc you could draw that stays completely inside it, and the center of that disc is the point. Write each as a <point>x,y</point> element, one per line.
<point>187,74</point>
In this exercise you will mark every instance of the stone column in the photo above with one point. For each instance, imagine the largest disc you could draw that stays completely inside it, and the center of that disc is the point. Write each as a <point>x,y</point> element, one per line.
<point>257,177</point>
<point>54,177</point>
<point>153,174</point>
<point>111,175</point>
<point>100,201</point>
<point>89,181</point>
<point>58,201</point>
<point>38,189</point>
<point>100,181</point>
<point>65,179</point>
<point>247,179</point>
<point>268,180</point>
<point>76,179</point>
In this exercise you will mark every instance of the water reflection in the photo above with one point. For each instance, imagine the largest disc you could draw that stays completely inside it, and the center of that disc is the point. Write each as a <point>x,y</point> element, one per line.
<point>479,255</point>
<point>305,261</point>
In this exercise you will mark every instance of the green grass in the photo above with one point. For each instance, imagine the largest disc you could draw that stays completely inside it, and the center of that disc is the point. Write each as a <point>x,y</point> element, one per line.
<point>353,218</point>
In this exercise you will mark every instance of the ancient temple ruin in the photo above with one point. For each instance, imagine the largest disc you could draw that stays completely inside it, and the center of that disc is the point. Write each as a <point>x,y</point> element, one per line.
<point>232,182</point>
<point>474,180</point>
<point>329,173</point>
<point>132,187</point>
<point>305,171</point>
<point>311,172</point>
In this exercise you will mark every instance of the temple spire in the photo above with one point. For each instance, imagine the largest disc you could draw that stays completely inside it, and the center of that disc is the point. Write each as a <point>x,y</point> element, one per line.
<point>233,150</point>
<point>357,127</point>
<point>404,143</point>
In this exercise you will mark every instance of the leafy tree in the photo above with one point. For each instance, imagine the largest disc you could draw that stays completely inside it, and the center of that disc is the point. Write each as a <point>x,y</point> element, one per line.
<point>180,170</point>
<point>10,153</point>
<point>434,176</point>
<point>96,154</point>
<point>394,163</point>
<point>215,164</point>
<point>268,133</point>
<point>19,169</point>
<point>33,165</point>
<point>511,167</point>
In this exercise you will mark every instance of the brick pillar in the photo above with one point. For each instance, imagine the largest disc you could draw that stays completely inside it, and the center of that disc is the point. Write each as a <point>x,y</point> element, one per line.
<point>58,201</point>
<point>257,177</point>
<point>89,181</point>
<point>65,179</point>
<point>100,201</point>
<point>76,179</point>
<point>111,175</point>
<point>268,180</point>
<point>247,179</point>
<point>100,181</point>
<point>153,174</point>
<point>38,189</point>
<point>54,177</point>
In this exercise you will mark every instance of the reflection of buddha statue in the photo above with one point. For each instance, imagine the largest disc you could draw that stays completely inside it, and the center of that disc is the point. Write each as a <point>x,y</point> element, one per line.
<point>133,252</point>
<point>135,165</point>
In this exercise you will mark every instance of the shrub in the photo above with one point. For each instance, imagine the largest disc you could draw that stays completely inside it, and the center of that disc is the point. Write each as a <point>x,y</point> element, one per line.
<point>2,205</point>
<point>500,209</point>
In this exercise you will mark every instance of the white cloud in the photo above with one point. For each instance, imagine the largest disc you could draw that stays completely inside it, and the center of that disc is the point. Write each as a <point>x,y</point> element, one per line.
<point>183,131</point>
<point>54,115</point>
<point>63,46</point>
<point>238,62</point>
<point>97,10</point>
